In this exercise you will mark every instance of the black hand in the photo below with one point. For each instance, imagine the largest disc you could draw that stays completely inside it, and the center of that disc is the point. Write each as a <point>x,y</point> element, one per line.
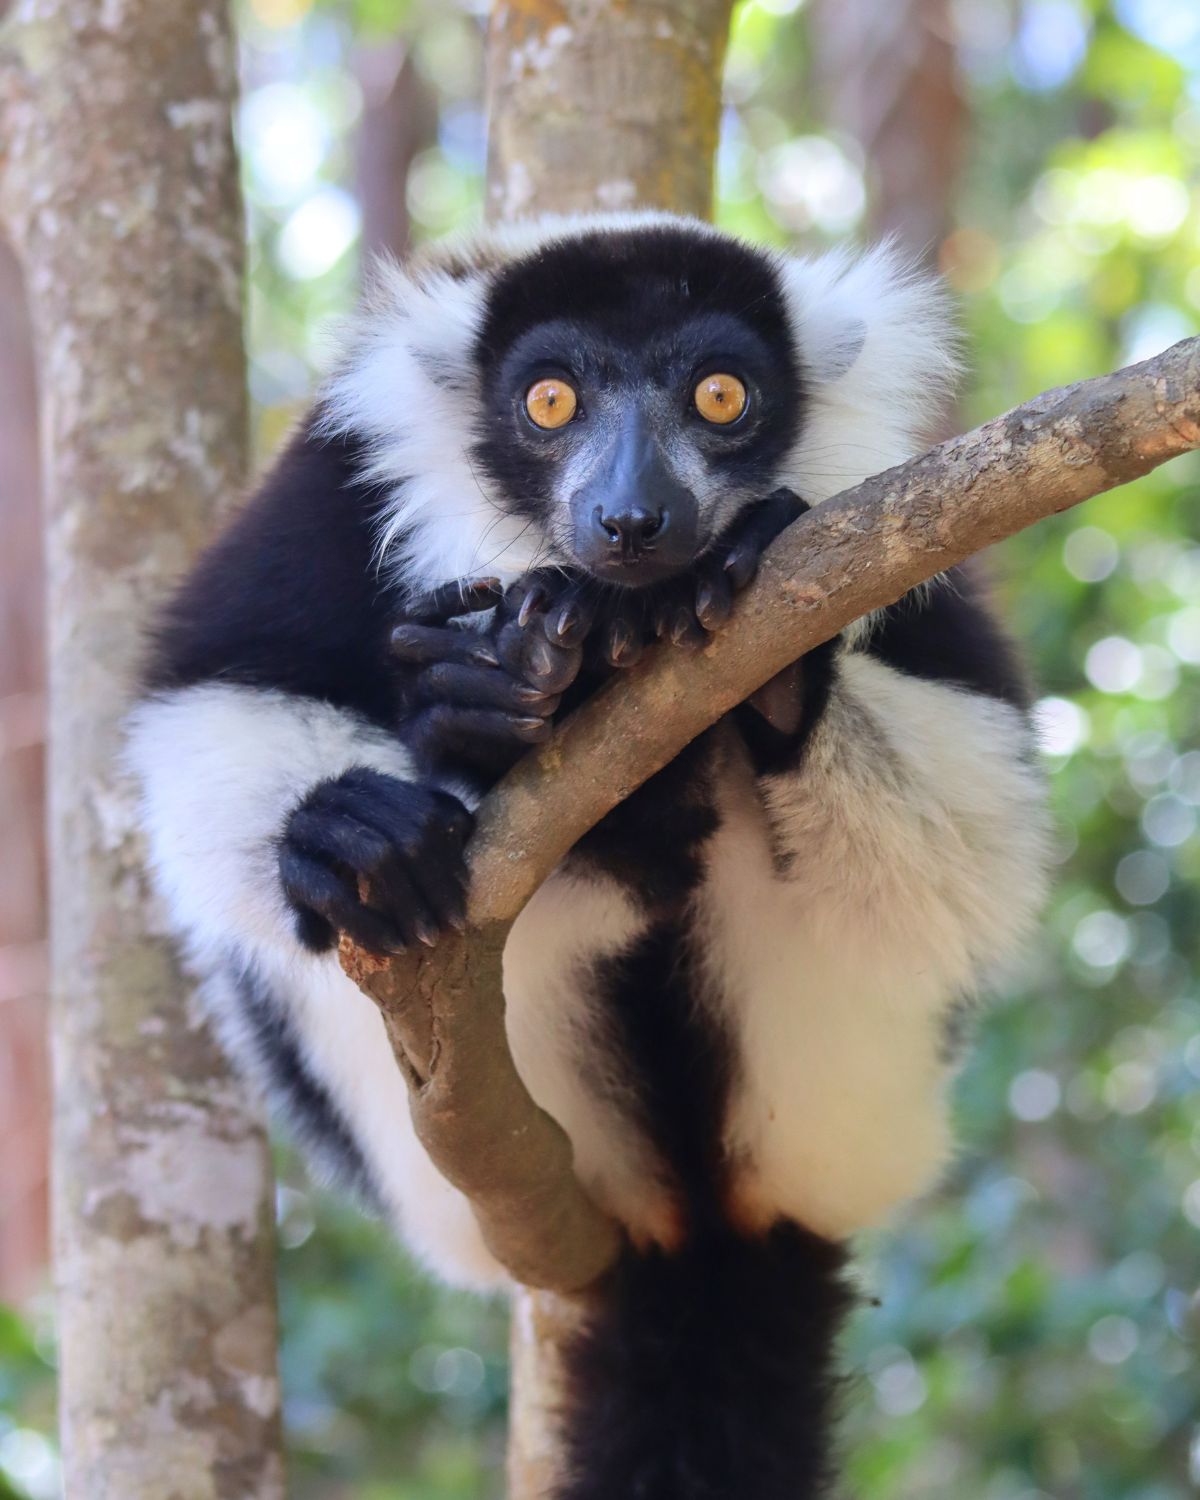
<point>702,601</point>
<point>400,842</point>
<point>475,700</point>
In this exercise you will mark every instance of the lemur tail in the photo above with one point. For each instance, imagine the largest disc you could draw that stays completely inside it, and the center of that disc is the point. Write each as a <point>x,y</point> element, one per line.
<point>708,1374</point>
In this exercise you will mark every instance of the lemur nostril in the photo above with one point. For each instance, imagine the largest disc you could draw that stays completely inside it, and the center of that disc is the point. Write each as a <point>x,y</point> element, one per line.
<point>630,532</point>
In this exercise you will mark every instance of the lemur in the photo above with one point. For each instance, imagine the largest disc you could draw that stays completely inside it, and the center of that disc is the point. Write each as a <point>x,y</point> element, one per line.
<point>541,452</point>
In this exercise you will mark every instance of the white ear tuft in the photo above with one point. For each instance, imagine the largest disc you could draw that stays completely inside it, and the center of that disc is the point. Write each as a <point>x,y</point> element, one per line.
<point>879,350</point>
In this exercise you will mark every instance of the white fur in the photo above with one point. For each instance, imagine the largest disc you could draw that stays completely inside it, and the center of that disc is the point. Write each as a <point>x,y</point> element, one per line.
<point>346,1047</point>
<point>562,1048</point>
<point>877,341</point>
<point>914,857</point>
<point>220,768</point>
<point>408,387</point>
<point>915,849</point>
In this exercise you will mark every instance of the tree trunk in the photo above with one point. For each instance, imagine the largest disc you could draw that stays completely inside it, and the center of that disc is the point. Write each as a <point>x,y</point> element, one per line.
<point>399,120</point>
<point>888,76</point>
<point>592,107</point>
<point>24,1100</point>
<point>597,106</point>
<point>120,190</point>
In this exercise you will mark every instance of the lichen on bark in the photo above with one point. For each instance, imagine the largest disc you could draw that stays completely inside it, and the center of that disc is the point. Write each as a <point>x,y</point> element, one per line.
<point>118,185</point>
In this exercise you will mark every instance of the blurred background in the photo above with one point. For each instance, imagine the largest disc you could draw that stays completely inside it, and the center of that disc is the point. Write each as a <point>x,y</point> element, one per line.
<point>1032,1331</point>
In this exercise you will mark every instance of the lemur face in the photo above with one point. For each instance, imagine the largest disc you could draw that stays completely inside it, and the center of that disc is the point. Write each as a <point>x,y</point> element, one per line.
<point>612,392</point>
<point>637,390</point>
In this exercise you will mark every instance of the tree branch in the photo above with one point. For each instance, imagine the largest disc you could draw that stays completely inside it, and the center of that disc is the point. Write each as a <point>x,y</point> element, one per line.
<point>858,552</point>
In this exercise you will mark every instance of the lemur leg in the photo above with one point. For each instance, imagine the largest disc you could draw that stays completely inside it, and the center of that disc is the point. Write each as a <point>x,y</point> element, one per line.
<point>859,897</point>
<point>223,769</point>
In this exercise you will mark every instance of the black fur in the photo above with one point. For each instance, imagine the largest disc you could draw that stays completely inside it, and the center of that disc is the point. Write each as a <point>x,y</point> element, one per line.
<point>708,1375</point>
<point>946,633</point>
<point>299,1093</point>
<point>288,596</point>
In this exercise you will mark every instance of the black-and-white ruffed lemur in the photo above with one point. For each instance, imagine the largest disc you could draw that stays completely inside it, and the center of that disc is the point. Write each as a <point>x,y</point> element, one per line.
<point>540,451</point>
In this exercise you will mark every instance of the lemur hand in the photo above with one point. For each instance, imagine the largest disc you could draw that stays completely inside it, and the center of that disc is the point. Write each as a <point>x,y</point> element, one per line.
<point>475,699</point>
<point>400,842</point>
<point>701,601</point>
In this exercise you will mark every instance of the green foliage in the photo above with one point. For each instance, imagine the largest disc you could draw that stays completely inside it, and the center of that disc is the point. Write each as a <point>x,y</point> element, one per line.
<point>1032,1331</point>
<point>385,1374</point>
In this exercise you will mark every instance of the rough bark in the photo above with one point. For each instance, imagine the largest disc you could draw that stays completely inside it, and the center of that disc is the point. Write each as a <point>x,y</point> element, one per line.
<point>888,76</point>
<point>120,191</point>
<point>603,106</point>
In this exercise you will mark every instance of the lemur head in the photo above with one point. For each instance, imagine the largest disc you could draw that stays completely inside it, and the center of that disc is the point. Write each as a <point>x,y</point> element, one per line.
<point>607,393</point>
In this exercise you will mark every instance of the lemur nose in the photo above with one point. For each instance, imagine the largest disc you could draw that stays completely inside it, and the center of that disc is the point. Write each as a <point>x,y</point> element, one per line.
<point>631,532</point>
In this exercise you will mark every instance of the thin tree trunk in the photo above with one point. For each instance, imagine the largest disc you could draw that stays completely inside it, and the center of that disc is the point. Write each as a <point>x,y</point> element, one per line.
<point>592,107</point>
<point>120,191</point>
<point>399,120</point>
<point>888,76</point>
<point>25,1097</point>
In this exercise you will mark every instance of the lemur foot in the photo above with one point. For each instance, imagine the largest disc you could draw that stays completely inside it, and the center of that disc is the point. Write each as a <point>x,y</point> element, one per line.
<point>377,858</point>
<point>478,698</point>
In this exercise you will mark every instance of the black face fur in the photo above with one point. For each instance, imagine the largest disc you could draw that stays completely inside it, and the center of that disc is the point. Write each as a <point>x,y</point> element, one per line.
<point>632,321</point>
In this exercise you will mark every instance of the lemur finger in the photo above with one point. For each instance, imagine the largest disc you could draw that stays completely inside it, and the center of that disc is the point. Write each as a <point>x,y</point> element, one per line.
<point>313,931</point>
<point>623,644</point>
<point>398,892</point>
<point>443,885</point>
<point>463,729</point>
<point>568,620</point>
<point>419,645</point>
<point>312,886</point>
<point>484,687</point>
<point>548,666</point>
<point>459,597</point>
<point>714,598</point>
<point>741,565</point>
<point>525,598</point>
<point>677,623</point>
<point>755,533</point>
<point>527,654</point>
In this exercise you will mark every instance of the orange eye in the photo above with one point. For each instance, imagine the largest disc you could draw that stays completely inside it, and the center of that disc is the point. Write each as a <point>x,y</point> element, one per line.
<point>720,398</point>
<point>550,403</point>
